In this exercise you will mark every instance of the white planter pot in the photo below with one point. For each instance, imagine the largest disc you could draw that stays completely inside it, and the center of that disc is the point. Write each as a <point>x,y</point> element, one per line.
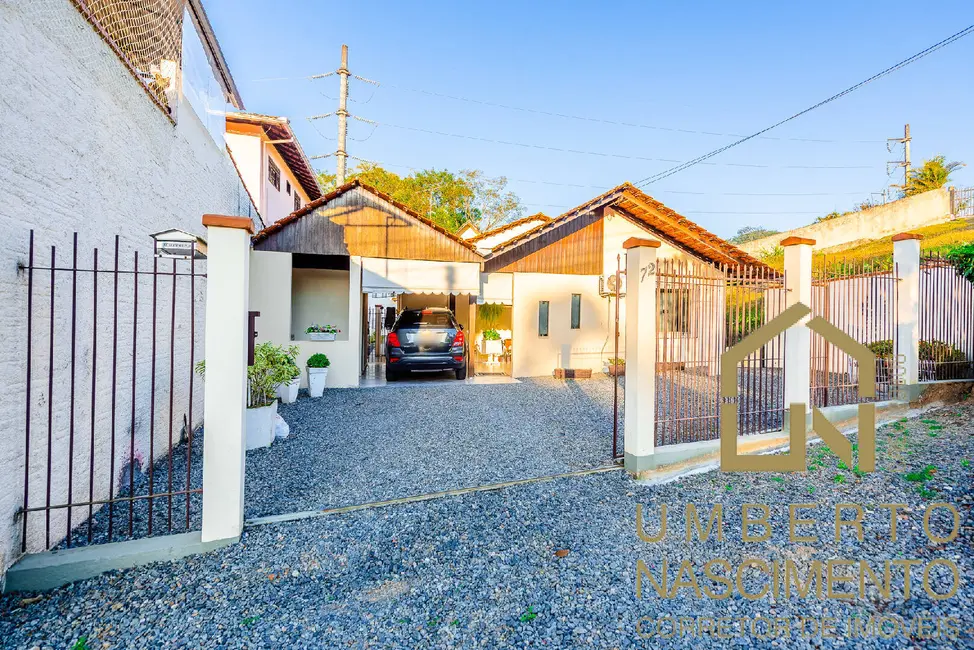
<point>260,426</point>
<point>493,347</point>
<point>322,336</point>
<point>288,393</point>
<point>316,381</point>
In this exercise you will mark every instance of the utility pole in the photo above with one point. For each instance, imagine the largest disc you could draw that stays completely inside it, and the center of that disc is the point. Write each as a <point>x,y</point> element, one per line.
<point>342,154</point>
<point>905,163</point>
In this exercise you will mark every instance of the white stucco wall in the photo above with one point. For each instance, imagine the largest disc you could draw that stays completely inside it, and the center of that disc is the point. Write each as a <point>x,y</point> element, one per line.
<point>564,347</point>
<point>881,221</point>
<point>247,152</point>
<point>319,296</point>
<point>84,148</point>
<point>271,278</point>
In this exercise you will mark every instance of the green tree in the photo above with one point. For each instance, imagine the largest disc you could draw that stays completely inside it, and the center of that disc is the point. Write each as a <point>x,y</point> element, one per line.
<point>934,174</point>
<point>446,198</point>
<point>750,233</point>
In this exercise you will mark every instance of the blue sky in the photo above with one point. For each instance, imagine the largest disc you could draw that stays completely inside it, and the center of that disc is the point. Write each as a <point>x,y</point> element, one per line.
<point>720,67</point>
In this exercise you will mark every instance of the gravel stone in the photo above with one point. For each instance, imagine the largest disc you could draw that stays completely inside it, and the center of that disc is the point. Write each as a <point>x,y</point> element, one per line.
<point>480,570</point>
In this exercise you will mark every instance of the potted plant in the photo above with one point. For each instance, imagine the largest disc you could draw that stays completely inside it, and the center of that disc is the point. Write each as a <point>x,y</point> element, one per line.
<point>317,374</point>
<point>270,369</point>
<point>322,332</point>
<point>287,391</point>
<point>616,367</point>
<point>492,342</point>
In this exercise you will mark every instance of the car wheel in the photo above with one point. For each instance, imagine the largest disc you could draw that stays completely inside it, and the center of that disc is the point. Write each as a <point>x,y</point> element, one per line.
<point>391,375</point>
<point>461,373</point>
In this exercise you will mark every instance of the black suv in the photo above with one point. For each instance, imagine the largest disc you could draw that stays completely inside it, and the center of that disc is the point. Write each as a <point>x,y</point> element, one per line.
<point>425,339</point>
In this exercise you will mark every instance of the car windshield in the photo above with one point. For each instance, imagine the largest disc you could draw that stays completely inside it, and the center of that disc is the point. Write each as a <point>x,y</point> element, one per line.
<point>423,319</point>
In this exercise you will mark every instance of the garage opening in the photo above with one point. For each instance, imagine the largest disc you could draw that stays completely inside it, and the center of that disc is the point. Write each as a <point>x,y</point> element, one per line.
<point>382,311</point>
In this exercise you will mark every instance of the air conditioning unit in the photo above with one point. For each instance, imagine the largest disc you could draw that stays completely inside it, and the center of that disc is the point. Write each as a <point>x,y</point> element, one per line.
<point>607,284</point>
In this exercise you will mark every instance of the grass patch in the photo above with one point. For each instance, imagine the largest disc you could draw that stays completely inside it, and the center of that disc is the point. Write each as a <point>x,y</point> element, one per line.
<point>839,479</point>
<point>529,615</point>
<point>965,463</point>
<point>250,620</point>
<point>922,476</point>
<point>777,479</point>
<point>926,492</point>
<point>81,644</point>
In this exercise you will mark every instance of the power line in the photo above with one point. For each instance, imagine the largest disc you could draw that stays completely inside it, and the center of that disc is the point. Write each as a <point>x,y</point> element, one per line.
<point>604,154</point>
<point>919,55</point>
<point>600,120</point>
<point>582,118</point>
<point>602,188</point>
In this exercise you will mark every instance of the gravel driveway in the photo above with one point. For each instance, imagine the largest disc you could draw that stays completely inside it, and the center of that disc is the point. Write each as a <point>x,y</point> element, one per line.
<point>361,445</point>
<point>481,570</point>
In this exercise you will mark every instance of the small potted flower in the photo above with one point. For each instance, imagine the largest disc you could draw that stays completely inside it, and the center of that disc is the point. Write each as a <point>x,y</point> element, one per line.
<point>317,374</point>
<point>322,332</point>
<point>615,367</point>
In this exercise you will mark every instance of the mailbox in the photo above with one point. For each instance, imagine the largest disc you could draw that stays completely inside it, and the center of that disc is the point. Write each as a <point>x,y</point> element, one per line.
<point>179,244</point>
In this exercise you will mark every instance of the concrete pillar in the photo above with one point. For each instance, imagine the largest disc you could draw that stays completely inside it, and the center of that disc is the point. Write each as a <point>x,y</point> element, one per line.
<point>798,289</point>
<point>225,385</point>
<point>906,261</point>
<point>640,424</point>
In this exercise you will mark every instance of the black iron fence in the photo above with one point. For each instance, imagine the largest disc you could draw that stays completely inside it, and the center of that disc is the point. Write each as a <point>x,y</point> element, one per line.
<point>111,397</point>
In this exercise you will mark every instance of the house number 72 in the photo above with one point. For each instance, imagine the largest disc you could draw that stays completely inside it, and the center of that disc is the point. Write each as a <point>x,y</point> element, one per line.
<point>646,271</point>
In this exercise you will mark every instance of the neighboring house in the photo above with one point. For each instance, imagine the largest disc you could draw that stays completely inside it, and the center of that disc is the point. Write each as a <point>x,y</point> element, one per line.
<point>111,126</point>
<point>553,278</point>
<point>468,231</point>
<point>504,233</point>
<point>323,264</point>
<point>272,164</point>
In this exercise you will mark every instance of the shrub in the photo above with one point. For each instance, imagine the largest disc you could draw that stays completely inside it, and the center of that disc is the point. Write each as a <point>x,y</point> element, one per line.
<point>318,360</point>
<point>962,257</point>
<point>492,335</point>
<point>273,365</point>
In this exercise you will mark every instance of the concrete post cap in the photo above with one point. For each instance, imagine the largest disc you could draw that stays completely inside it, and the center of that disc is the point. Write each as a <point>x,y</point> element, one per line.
<point>796,241</point>
<point>906,236</point>
<point>636,242</point>
<point>225,221</point>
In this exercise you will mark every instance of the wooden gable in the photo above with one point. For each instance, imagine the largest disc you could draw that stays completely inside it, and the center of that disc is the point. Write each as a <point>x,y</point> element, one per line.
<point>574,248</point>
<point>360,221</point>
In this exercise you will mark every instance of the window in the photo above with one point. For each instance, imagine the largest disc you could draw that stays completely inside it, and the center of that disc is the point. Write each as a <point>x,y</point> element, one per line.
<point>287,184</point>
<point>273,175</point>
<point>674,308</point>
<point>576,311</point>
<point>297,201</point>
<point>543,318</point>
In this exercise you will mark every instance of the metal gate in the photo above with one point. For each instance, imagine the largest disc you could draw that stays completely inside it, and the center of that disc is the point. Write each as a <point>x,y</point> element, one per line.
<point>858,296</point>
<point>702,310</point>
<point>946,321</point>
<point>111,396</point>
